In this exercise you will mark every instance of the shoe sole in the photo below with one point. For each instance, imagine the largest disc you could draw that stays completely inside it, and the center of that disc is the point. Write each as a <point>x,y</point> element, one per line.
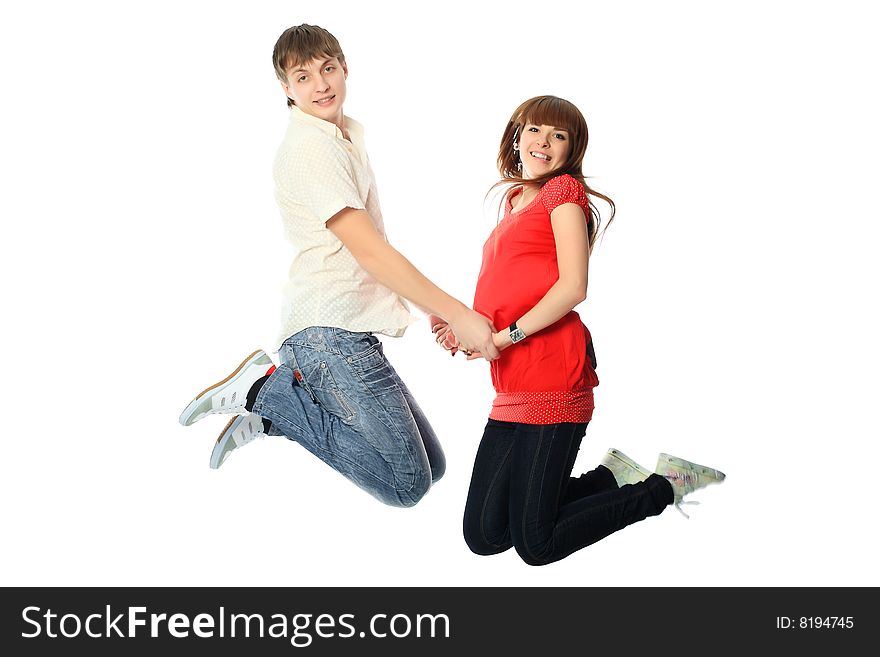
<point>185,418</point>
<point>702,470</point>
<point>628,461</point>
<point>216,454</point>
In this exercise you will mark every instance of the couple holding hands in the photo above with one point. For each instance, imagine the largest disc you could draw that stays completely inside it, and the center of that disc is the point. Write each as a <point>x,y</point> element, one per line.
<point>336,394</point>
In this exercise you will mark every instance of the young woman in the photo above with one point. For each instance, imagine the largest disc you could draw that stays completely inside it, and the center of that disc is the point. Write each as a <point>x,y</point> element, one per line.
<point>534,273</point>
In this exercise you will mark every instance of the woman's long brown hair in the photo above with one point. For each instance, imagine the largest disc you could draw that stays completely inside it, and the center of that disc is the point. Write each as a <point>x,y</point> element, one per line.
<point>559,113</point>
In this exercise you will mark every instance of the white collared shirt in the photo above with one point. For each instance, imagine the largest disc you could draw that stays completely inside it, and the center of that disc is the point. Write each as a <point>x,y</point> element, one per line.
<point>318,173</point>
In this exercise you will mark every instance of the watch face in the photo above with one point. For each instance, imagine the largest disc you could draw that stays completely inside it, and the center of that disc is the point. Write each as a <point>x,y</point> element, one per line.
<point>516,335</point>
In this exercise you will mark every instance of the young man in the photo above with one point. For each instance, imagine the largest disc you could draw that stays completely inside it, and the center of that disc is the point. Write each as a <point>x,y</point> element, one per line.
<point>334,392</point>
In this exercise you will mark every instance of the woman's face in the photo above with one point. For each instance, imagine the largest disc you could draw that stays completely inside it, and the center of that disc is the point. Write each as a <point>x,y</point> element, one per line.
<point>542,149</point>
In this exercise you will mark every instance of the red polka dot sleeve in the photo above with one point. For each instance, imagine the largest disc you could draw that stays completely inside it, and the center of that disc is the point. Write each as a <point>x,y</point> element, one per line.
<point>564,189</point>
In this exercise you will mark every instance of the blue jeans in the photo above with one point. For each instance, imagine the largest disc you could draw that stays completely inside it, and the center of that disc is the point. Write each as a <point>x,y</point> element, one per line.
<point>522,494</point>
<point>336,395</point>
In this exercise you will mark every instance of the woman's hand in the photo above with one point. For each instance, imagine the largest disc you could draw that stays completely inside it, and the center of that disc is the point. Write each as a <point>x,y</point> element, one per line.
<point>443,334</point>
<point>501,340</point>
<point>436,322</point>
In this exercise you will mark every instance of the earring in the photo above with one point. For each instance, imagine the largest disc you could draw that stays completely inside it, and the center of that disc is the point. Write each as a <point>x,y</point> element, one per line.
<point>516,150</point>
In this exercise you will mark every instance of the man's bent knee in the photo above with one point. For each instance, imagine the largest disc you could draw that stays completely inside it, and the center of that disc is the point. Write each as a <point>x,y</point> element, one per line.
<point>438,470</point>
<point>405,497</point>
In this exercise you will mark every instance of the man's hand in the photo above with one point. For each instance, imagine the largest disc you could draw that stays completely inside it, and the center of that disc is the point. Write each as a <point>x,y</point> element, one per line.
<point>355,229</point>
<point>474,334</point>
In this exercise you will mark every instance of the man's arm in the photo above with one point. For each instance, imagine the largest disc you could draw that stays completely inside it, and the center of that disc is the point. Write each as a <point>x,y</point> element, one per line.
<point>355,229</point>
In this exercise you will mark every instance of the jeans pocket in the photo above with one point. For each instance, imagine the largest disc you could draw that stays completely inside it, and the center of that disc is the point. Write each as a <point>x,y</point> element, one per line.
<point>367,369</point>
<point>371,358</point>
<point>345,409</point>
<point>322,385</point>
<point>356,348</point>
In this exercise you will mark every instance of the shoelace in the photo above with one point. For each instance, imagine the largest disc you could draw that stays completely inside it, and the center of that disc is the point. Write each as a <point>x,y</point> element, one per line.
<point>679,504</point>
<point>688,479</point>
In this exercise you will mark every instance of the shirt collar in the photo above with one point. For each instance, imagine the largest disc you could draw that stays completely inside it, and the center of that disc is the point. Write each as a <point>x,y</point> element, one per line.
<point>296,114</point>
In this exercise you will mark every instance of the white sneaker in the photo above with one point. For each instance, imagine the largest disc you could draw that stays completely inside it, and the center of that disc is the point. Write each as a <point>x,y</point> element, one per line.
<point>625,470</point>
<point>686,477</point>
<point>241,430</point>
<point>230,394</point>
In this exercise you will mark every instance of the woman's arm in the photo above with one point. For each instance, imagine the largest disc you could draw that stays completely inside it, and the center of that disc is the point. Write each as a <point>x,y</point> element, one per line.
<point>355,229</point>
<point>572,254</point>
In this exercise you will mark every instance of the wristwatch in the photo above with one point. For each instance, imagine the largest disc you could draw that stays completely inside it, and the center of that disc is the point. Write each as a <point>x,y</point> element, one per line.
<point>516,334</point>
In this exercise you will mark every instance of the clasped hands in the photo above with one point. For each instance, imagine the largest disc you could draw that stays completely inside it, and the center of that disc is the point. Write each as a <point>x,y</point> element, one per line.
<point>446,338</point>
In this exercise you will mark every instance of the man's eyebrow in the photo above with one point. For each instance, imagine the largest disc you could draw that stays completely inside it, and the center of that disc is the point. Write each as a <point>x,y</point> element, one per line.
<point>305,70</point>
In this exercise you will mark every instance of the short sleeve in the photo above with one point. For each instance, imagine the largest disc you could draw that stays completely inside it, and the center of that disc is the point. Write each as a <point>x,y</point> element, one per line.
<point>320,176</point>
<point>564,189</point>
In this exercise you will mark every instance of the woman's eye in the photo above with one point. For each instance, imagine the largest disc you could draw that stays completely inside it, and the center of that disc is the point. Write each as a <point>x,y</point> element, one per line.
<point>533,129</point>
<point>560,136</point>
<point>302,78</point>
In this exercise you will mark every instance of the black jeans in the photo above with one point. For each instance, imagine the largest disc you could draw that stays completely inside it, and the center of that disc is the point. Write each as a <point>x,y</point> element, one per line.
<point>522,494</point>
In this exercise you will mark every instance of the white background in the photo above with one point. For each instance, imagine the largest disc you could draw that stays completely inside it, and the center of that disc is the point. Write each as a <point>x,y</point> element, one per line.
<point>732,301</point>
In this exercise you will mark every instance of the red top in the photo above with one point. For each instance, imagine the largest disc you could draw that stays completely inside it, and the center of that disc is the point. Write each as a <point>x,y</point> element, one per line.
<point>548,377</point>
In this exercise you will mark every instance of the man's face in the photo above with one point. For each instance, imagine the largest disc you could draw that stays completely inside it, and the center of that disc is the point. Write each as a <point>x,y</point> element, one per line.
<point>318,88</point>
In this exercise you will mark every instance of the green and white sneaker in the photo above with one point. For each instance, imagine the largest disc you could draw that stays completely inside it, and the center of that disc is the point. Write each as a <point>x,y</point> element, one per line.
<point>241,430</point>
<point>625,470</point>
<point>230,394</point>
<point>686,477</point>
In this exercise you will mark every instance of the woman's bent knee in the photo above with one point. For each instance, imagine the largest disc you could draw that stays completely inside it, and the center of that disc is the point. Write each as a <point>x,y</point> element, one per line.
<point>479,543</point>
<point>535,553</point>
